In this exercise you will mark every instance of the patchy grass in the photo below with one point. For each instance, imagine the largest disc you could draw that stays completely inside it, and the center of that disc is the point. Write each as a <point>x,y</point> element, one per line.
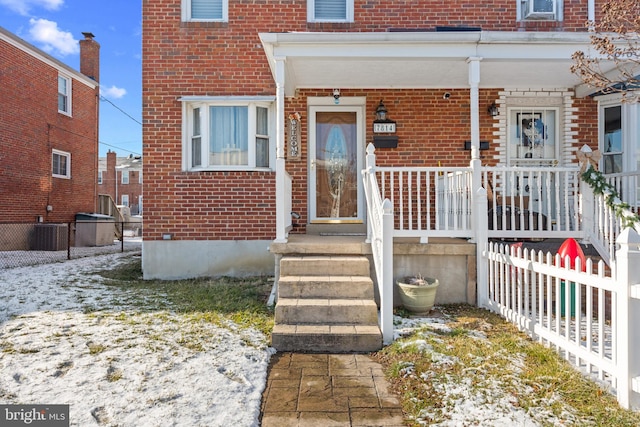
<point>215,300</point>
<point>473,359</point>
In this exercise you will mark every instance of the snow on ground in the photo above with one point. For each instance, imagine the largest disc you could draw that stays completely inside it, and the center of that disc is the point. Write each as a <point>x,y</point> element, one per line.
<point>66,338</point>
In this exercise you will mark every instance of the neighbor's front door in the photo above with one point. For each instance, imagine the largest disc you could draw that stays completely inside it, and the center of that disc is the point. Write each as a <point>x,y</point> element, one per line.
<point>335,161</point>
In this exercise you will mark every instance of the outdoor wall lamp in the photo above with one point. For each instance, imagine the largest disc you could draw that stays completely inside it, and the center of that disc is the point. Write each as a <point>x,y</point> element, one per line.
<point>381,112</point>
<point>383,125</point>
<point>493,110</point>
<point>336,96</point>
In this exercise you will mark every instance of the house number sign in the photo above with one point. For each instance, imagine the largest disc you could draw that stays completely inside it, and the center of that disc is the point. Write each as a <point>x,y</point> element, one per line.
<point>381,127</point>
<point>294,136</point>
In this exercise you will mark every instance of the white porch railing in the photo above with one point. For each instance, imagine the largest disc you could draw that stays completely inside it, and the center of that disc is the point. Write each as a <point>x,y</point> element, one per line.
<point>591,319</point>
<point>428,201</point>
<point>380,235</point>
<point>600,222</point>
<point>628,187</point>
<point>540,202</point>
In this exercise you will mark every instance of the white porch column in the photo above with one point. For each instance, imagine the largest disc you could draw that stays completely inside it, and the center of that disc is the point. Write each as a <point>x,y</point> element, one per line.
<point>281,219</point>
<point>474,81</point>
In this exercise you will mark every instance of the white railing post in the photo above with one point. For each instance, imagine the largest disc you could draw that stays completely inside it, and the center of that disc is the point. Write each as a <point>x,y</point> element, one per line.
<point>386,294</point>
<point>481,236</point>
<point>370,168</point>
<point>587,209</point>
<point>628,318</point>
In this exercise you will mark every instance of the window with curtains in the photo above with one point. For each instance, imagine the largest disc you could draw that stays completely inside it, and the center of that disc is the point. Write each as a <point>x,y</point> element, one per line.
<point>227,135</point>
<point>330,10</point>
<point>205,10</point>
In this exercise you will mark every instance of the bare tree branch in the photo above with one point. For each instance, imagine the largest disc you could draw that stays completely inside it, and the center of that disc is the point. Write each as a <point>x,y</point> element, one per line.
<point>614,66</point>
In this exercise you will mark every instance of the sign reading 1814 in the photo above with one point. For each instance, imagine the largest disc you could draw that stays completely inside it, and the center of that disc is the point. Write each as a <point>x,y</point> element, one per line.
<point>384,127</point>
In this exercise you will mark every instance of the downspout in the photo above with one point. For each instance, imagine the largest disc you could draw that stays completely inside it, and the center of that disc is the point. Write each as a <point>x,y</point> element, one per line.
<point>591,13</point>
<point>280,153</point>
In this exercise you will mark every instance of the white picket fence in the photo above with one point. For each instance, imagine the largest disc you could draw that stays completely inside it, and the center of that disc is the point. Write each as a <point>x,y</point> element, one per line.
<point>588,315</point>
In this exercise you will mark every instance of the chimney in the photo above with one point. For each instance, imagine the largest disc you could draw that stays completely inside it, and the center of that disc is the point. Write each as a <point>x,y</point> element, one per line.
<point>90,57</point>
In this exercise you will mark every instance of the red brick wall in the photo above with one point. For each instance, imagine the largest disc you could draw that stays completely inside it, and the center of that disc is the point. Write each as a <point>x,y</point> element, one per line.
<point>30,127</point>
<point>182,59</point>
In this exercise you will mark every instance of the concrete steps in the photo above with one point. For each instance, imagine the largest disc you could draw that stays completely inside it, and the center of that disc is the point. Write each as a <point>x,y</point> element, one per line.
<point>326,304</point>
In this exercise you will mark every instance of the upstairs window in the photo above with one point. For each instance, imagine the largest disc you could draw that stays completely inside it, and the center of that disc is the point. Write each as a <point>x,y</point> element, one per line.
<point>61,164</point>
<point>227,135</point>
<point>64,95</point>
<point>534,10</point>
<point>205,10</point>
<point>330,10</point>
<point>125,176</point>
<point>99,177</point>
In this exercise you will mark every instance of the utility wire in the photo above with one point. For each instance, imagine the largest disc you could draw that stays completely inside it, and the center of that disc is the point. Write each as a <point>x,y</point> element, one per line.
<point>102,98</point>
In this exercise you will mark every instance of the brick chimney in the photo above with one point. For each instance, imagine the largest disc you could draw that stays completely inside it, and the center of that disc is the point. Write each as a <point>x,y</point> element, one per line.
<point>90,57</point>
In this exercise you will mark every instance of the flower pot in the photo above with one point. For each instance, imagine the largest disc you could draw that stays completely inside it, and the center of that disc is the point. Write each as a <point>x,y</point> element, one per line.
<point>418,298</point>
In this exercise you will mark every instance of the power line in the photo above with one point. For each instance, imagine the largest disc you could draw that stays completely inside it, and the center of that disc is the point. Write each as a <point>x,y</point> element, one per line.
<point>120,148</point>
<point>102,98</point>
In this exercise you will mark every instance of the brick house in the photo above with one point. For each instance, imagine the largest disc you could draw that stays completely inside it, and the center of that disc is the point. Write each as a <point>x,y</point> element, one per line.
<point>261,119</point>
<point>121,178</point>
<point>49,132</point>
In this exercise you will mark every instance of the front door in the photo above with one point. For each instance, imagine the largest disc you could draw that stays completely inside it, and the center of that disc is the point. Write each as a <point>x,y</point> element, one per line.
<point>336,149</point>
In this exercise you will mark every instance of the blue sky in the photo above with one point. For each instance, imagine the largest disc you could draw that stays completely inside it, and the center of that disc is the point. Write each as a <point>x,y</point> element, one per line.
<point>56,27</point>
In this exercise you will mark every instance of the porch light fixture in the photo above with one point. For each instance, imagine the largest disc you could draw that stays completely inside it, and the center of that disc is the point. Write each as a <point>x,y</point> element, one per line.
<point>381,112</point>
<point>493,110</point>
<point>336,96</point>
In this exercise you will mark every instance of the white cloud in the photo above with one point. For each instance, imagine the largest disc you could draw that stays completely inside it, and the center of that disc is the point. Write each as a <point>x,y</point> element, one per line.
<point>113,92</point>
<point>51,39</point>
<point>24,6</point>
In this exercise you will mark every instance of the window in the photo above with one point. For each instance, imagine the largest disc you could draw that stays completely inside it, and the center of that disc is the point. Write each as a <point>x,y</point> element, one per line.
<point>533,134</point>
<point>125,176</point>
<point>227,135</point>
<point>533,10</point>
<point>64,95</point>
<point>205,10</point>
<point>99,177</point>
<point>61,164</point>
<point>124,199</point>
<point>330,10</point>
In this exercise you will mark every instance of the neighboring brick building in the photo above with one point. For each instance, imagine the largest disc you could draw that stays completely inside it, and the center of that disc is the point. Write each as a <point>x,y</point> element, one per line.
<point>126,188</point>
<point>48,132</point>
<point>243,101</point>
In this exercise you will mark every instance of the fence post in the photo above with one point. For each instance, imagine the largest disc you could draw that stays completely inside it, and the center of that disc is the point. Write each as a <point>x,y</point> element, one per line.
<point>627,272</point>
<point>386,297</point>
<point>481,224</point>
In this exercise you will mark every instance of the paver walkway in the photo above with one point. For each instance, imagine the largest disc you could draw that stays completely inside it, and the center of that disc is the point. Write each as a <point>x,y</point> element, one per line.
<point>325,390</point>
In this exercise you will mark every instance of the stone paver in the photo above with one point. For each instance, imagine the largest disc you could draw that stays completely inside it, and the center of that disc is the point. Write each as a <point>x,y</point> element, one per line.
<point>307,390</point>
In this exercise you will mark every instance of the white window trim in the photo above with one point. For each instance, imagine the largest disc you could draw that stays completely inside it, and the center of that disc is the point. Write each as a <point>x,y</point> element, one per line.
<point>203,102</point>
<point>558,17</point>
<point>186,12</point>
<point>68,94</point>
<point>62,154</point>
<point>124,200</point>
<point>311,15</point>
<point>124,173</point>
<point>100,177</point>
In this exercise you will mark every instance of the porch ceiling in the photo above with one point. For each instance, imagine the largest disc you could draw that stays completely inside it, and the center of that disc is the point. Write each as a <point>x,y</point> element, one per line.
<point>406,60</point>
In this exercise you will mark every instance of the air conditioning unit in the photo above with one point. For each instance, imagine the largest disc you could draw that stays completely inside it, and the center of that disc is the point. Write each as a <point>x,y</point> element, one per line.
<point>50,237</point>
<point>539,9</point>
